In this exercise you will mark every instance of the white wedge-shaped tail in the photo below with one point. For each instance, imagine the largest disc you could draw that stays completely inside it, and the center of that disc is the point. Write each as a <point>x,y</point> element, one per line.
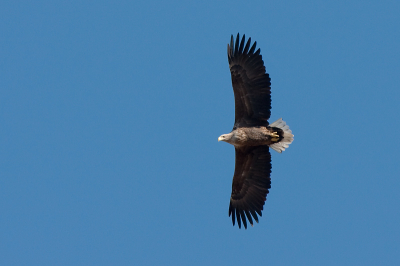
<point>287,136</point>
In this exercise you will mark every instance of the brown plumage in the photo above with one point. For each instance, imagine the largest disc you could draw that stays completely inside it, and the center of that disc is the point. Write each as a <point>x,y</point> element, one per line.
<point>251,134</point>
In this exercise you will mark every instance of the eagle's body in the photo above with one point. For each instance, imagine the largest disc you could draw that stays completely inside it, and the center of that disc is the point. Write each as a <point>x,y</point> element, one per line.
<point>246,136</point>
<point>252,135</point>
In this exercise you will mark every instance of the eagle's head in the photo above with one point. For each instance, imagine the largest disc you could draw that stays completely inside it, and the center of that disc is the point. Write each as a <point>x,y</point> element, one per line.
<point>227,137</point>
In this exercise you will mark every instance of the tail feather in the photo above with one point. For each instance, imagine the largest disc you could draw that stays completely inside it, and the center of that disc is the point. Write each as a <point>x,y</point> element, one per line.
<point>287,136</point>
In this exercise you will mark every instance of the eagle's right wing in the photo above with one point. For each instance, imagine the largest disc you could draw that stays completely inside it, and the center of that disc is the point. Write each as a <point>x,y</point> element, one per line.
<point>251,183</point>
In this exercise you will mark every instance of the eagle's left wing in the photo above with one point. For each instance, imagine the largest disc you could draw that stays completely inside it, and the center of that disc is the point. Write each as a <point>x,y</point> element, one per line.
<point>251,85</point>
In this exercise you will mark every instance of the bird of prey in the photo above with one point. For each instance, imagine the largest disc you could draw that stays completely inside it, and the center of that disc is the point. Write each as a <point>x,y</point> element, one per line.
<point>252,135</point>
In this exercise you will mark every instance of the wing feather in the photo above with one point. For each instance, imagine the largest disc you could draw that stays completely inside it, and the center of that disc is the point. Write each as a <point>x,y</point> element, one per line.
<point>253,48</point>
<point>241,45</point>
<point>249,217</point>
<point>237,46</point>
<point>251,85</point>
<point>251,184</point>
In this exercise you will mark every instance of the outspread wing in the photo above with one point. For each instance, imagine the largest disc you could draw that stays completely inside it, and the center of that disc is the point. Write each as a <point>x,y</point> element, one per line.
<point>251,85</point>
<point>251,184</point>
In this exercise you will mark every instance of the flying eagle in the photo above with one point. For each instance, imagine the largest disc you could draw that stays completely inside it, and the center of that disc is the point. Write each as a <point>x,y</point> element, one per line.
<point>252,135</point>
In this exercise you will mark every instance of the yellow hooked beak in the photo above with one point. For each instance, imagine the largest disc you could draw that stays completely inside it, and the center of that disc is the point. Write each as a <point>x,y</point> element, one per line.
<point>220,138</point>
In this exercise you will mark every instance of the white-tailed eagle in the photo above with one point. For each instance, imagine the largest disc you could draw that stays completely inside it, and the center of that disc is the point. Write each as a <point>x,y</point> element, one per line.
<point>252,135</point>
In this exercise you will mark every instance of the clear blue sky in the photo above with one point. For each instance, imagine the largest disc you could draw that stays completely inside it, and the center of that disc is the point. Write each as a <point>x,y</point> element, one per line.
<point>110,113</point>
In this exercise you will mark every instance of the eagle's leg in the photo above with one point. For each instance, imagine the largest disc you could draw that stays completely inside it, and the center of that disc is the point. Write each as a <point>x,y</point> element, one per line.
<point>275,136</point>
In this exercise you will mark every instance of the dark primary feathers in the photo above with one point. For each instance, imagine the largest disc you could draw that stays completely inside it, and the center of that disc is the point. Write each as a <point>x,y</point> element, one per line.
<point>251,85</point>
<point>251,183</point>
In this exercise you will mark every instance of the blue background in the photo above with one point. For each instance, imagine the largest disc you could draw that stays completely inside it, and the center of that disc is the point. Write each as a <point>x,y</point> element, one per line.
<point>110,113</point>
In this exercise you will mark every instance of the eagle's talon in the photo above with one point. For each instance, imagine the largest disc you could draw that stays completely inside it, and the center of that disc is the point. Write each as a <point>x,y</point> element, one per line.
<point>275,135</point>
